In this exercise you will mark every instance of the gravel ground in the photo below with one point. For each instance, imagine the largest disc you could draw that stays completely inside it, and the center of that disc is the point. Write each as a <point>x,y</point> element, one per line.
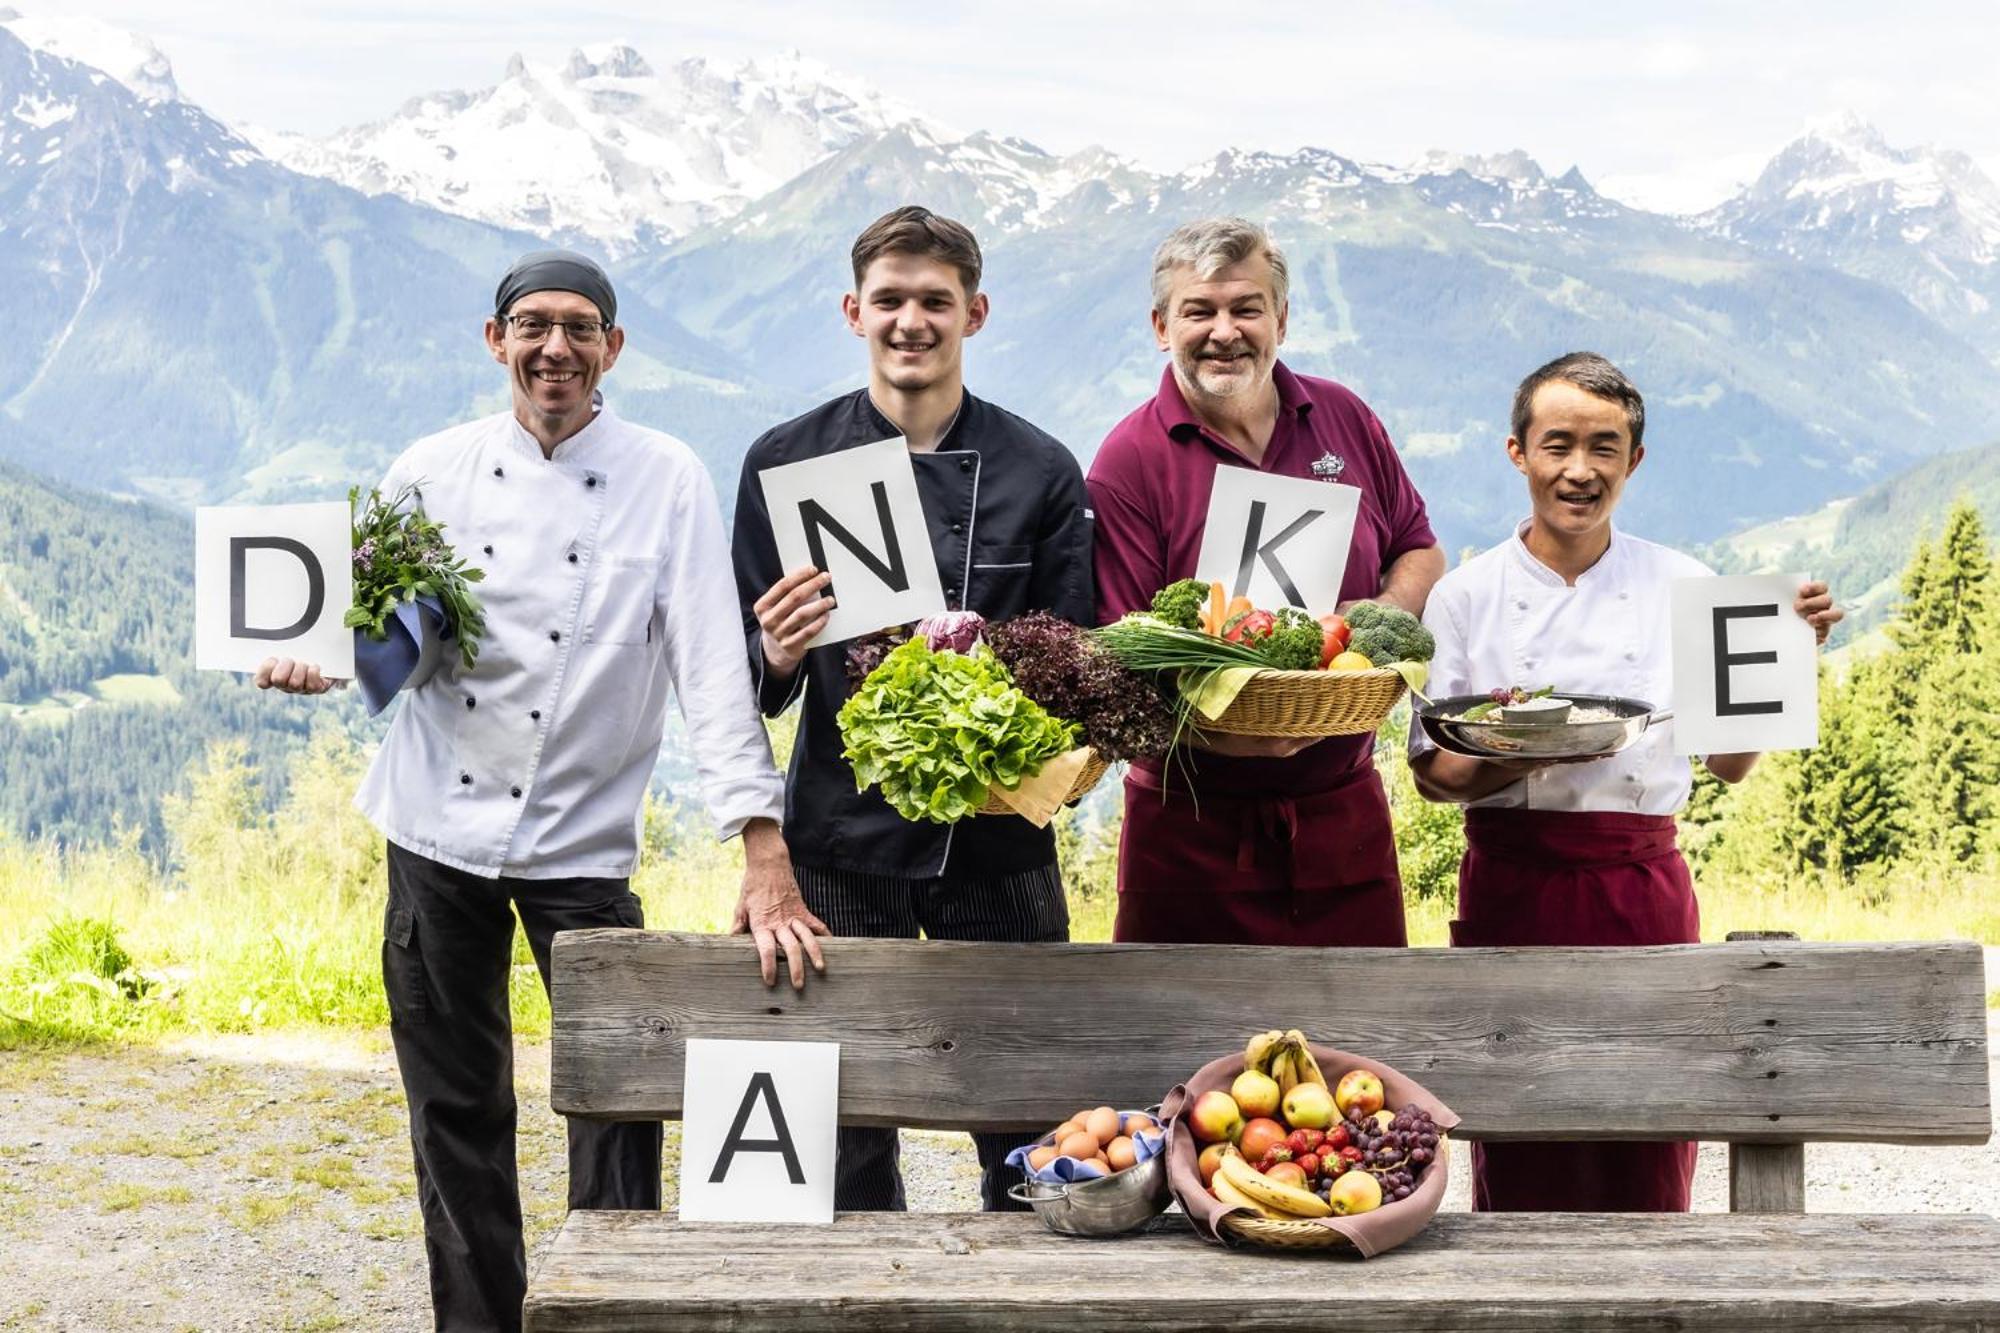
<point>264,1183</point>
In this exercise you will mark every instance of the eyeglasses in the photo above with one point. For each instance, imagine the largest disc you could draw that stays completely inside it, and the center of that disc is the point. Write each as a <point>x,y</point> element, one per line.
<point>536,328</point>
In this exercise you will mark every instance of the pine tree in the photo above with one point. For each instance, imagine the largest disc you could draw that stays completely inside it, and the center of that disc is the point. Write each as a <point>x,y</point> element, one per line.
<point>1941,689</point>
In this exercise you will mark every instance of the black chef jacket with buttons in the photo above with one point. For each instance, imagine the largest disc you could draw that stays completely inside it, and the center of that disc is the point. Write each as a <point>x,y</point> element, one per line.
<point>1006,510</point>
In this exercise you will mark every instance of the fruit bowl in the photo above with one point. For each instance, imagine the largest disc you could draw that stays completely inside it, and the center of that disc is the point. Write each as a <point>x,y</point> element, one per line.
<point>1274,1181</point>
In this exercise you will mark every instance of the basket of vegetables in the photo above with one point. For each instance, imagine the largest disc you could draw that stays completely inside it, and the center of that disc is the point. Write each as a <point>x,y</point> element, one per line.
<point>1244,671</point>
<point>1019,717</point>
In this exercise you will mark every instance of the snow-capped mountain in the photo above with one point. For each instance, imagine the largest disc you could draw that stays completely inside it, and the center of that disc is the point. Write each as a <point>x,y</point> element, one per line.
<point>1925,221</point>
<point>195,321</point>
<point>131,59</point>
<point>603,148</point>
<point>198,320</point>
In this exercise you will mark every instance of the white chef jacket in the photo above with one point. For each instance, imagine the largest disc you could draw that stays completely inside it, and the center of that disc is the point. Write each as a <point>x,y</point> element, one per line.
<point>1504,618</point>
<point>607,580</point>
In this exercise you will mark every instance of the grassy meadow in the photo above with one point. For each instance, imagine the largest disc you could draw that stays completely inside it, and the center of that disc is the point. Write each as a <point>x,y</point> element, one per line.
<point>273,919</point>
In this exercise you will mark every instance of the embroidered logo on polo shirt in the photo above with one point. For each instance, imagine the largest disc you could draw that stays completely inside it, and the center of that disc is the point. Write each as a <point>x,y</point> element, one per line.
<point>1329,466</point>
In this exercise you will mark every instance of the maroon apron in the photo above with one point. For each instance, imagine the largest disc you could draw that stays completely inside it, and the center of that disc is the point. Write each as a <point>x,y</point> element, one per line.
<point>1315,869</point>
<point>1555,877</point>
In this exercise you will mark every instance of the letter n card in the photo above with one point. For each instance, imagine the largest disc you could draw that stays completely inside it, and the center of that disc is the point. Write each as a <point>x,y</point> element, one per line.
<point>1746,669</point>
<point>757,1131</point>
<point>856,515</point>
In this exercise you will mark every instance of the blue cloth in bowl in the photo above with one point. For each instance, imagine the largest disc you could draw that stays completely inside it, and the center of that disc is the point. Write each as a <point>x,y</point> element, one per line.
<point>1068,1170</point>
<point>406,658</point>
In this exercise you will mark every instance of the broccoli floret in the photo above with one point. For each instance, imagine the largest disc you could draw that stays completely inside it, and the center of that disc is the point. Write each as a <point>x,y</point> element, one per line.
<point>1294,642</point>
<point>1385,634</point>
<point>1367,615</point>
<point>1181,603</point>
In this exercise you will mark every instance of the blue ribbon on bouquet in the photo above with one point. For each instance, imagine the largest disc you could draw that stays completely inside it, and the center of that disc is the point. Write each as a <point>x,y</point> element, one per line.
<point>383,668</point>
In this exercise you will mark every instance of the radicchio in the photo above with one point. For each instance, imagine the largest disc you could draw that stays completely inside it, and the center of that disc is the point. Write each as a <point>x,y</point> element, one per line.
<point>954,631</point>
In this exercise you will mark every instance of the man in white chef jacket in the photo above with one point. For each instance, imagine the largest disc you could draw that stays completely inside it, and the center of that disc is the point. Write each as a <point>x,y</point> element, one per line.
<point>517,785</point>
<point>1573,853</point>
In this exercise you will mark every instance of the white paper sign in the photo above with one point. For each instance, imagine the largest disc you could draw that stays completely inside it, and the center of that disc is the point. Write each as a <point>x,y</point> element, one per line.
<point>1280,541</point>
<point>758,1128</point>
<point>273,581</point>
<point>1746,671</point>
<point>856,515</point>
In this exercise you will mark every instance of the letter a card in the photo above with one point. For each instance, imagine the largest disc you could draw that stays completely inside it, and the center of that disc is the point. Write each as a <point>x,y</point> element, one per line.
<point>274,581</point>
<point>1746,671</point>
<point>1280,541</point>
<point>757,1131</point>
<point>855,515</point>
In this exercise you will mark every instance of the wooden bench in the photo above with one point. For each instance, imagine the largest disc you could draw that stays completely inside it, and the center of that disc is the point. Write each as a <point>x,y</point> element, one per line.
<point>1768,1045</point>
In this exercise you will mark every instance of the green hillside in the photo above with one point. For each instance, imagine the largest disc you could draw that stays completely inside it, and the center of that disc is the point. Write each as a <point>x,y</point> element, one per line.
<point>100,709</point>
<point>1861,544</point>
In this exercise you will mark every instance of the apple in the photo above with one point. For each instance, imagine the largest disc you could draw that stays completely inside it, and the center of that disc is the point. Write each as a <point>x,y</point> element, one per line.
<point>1385,1117</point>
<point>1216,1118</point>
<point>1256,1093</point>
<point>1358,1094</point>
<point>1309,1106</point>
<point>1259,1136</point>
<point>1211,1160</point>
<point>1355,1192</point>
<point>1289,1173</point>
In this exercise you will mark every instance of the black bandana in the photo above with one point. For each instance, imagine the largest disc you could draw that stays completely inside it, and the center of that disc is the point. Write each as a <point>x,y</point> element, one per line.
<point>557,271</point>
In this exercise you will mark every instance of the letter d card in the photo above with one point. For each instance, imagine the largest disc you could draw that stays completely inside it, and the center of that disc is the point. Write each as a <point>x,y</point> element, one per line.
<point>1746,672</point>
<point>757,1131</point>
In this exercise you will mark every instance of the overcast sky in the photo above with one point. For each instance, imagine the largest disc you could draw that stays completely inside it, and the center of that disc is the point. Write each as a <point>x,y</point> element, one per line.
<point>1669,111</point>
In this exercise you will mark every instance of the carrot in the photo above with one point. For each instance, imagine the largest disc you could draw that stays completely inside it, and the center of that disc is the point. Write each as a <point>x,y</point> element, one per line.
<point>1238,606</point>
<point>1211,621</point>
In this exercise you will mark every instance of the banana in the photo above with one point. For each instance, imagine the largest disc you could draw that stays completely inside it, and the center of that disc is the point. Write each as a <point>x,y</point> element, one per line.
<point>1257,1055</point>
<point>1236,1198</point>
<point>1271,1193</point>
<point>1302,1059</point>
<point>1283,1070</point>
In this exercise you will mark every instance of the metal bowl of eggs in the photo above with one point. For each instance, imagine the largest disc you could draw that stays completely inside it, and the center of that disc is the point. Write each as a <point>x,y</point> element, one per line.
<point>1107,1195</point>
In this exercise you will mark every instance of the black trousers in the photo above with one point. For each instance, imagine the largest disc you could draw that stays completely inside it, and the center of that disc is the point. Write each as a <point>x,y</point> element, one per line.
<point>446,955</point>
<point>1025,908</point>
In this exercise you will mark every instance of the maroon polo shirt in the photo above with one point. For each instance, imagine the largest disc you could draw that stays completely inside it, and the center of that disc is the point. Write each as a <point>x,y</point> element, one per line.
<point>1149,487</point>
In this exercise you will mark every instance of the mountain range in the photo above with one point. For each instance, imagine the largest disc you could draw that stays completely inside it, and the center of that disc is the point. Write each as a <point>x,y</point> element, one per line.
<point>215,312</point>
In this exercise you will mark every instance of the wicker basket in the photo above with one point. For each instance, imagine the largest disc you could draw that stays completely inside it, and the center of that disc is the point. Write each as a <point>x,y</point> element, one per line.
<point>1304,1234</point>
<point>1093,769</point>
<point>1310,703</point>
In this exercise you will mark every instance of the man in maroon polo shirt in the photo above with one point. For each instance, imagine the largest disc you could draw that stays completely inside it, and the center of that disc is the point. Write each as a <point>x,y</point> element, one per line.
<point>1245,840</point>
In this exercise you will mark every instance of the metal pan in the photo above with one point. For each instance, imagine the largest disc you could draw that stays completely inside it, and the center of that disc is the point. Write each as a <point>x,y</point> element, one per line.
<point>1497,739</point>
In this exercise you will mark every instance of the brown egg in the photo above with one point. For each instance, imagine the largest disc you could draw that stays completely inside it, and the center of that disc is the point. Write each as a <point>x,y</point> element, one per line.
<point>1079,1145</point>
<point>1121,1153</point>
<point>1137,1121</point>
<point>1041,1157</point>
<point>1074,1125</point>
<point>1103,1122</point>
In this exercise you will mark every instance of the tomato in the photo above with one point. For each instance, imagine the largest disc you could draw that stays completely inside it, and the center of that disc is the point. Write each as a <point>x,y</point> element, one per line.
<point>1337,636</point>
<point>1254,626</point>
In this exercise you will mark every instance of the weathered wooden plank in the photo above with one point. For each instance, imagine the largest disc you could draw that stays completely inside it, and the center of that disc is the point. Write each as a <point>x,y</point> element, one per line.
<point>1760,1041</point>
<point>1767,1177</point>
<point>1484,1272</point>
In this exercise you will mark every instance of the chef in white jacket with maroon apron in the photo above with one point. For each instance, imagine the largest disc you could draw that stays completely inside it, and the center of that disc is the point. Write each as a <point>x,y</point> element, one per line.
<point>1573,853</point>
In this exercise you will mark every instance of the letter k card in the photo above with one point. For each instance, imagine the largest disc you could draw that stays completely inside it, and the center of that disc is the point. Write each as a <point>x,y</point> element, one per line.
<point>1280,541</point>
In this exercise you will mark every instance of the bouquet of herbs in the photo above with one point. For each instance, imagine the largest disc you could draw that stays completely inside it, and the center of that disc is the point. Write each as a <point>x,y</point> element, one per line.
<point>400,556</point>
